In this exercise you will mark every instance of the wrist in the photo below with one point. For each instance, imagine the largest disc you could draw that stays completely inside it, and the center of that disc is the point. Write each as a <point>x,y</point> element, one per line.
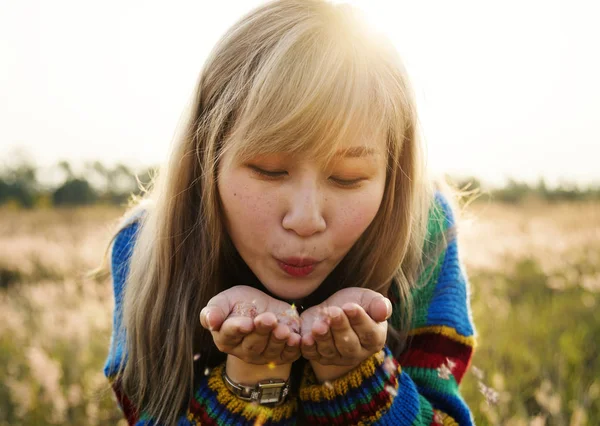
<point>250,374</point>
<point>325,373</point>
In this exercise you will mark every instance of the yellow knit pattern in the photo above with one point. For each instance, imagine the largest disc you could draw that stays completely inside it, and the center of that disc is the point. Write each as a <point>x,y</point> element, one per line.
<point>372,419</point>
<point>446,331</point>
<point>310,390</point>
<point>191,418</point>
<point>444,418</point>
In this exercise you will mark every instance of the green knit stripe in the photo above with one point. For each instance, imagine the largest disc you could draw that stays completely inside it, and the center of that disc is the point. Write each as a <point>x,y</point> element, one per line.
<point>422,293</point>
<point>425,415</point>
<point>430,378</point>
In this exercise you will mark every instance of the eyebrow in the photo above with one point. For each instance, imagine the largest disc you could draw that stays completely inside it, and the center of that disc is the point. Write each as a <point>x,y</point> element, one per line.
<point>355,152</point>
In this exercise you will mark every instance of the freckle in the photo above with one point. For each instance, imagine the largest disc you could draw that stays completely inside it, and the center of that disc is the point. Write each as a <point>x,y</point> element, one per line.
<point>234,194</point>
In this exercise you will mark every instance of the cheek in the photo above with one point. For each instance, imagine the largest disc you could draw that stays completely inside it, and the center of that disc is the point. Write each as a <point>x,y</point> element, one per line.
<point>355,216</point>
<point>247,209</point>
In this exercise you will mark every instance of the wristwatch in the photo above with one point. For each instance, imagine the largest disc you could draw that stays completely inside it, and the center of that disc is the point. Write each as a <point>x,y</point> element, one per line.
<point>266,392</point>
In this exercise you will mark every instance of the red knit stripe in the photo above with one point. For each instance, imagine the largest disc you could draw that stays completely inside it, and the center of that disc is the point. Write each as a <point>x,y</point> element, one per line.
<point>431,350</point>
<point>129,411</point>
<point>434,422</point>
<point>199,412</point>
<point>438,343</point>
<point>422,359</point>
<point>205,419</point>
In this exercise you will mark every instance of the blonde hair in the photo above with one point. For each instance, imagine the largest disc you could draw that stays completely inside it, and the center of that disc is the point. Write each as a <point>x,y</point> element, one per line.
<point>296,75</point>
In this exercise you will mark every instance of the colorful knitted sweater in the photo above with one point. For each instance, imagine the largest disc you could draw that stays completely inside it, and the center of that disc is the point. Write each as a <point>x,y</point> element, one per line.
<point>418,387</point>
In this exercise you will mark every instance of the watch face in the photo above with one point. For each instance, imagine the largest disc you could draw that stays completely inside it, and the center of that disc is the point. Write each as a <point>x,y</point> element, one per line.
<point>272,391</point>
<point>270,394</point>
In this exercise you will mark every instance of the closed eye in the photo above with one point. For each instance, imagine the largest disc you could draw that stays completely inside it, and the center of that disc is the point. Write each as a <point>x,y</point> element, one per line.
<point>274,174</point>
<point>268,173</point>
<point>346,182</point>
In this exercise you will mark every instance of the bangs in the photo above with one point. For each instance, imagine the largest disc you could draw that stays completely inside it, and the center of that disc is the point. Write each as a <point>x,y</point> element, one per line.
<point>319,94</point>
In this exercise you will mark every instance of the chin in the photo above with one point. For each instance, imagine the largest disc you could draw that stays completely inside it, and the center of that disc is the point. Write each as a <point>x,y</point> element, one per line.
<point>291,292</point>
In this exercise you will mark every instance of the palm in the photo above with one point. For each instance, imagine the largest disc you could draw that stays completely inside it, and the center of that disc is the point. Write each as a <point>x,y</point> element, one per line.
<point>244,300</point>
<point>344,330</point>
<point>249,324</point>
<point>367,299</point>
<point>250,302</point>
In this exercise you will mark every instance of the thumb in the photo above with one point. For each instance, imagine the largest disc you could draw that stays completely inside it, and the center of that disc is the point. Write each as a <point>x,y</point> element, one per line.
<point>215,312</point>
<point>378,307</point>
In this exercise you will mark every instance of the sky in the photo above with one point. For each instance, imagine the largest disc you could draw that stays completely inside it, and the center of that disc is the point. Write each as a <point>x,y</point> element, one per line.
<point>505,89</point>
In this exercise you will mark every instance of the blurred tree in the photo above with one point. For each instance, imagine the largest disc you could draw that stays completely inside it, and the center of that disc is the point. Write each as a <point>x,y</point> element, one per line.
<point>18,180</point>
<point>74,192</point>
<point>66,168</point>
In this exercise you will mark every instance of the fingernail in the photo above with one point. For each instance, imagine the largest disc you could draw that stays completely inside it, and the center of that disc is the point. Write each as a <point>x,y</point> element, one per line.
<point>281,334</point>
<point>389,307</point>
<point>321,331</point>
<point>351,311</point>
<point>245,329</point>
<point>268,322</point>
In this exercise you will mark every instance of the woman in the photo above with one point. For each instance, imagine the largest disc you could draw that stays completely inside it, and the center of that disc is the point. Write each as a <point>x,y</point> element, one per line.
<point>293,262</point>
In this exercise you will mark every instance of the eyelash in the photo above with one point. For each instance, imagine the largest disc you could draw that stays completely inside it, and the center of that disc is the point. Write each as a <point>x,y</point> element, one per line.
<point>274,175</point>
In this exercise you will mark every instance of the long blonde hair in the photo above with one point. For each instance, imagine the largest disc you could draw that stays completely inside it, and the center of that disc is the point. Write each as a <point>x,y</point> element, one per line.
<point>293,75</point>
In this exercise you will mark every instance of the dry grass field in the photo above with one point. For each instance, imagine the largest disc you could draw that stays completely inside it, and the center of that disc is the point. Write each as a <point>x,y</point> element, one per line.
<point>535,280</point>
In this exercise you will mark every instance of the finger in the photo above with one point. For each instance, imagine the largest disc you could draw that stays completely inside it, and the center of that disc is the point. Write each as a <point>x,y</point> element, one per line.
<point>212,318</point>
<point>308,348</point>
<point>215,312</point>
<point>256,342</point>
<point>380,309</point>
<point>265,323</point>
<point>346,341</point>
<point>377,307</point>
<point>363,325</point>
<point>277,342</point>
<point>233,331</point>
<point>322,335</point>
<point>291,351</point>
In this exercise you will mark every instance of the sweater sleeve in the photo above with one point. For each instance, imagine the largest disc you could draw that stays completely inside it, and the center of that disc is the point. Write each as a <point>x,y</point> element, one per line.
<point>120,256</point>
<point>420,386</point>
<point>212,402</point>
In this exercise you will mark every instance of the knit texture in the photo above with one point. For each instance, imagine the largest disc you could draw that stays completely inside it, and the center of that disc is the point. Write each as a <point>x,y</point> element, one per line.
<point>419,387</point>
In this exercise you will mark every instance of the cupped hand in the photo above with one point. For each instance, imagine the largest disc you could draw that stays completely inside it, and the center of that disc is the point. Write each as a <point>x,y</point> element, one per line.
<point>347,328</point>
<point>249,324</point>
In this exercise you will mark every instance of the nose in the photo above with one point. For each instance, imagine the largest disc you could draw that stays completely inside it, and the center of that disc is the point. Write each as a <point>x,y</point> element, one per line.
<point>304,215</point>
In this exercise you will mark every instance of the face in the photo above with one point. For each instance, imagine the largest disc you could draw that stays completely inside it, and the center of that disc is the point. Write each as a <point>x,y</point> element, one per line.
<point>292,220</point>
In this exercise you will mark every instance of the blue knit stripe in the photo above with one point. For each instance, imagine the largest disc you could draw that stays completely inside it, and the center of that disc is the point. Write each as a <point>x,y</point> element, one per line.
<point>408,406</point>
<point>183,421</point>
<point>216,410</point>
<point>449,304</point>
<point>441,200</point>
<point>453,405</point>
<point>405,408</point>
<point>121,253</point>
<point>355,396</point>
<point>212,406</point>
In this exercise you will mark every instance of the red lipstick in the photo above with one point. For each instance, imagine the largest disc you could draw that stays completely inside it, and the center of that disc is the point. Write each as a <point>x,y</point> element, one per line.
<point>296,266</point>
